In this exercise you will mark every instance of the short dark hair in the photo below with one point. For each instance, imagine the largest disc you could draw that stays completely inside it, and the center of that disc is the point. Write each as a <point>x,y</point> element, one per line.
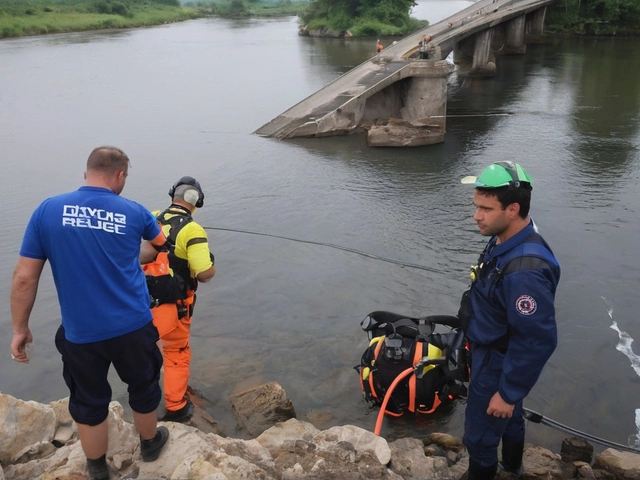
<point>511,194</point>
<point>108,159</point>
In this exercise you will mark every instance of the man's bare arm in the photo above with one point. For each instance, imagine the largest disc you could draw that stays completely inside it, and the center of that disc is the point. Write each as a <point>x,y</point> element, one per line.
<point>149,250</point>
<point>207,275</point>
<point>24,288</point>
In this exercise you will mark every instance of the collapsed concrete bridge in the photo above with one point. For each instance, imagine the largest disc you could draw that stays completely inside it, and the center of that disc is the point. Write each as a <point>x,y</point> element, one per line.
<point>401,100</point>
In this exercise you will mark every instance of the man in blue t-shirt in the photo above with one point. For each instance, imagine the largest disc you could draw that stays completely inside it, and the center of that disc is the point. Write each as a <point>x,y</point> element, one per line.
<point>91,238</point>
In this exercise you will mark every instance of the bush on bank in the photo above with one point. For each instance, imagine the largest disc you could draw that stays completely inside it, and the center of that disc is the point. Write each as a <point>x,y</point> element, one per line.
<point>361,17</point>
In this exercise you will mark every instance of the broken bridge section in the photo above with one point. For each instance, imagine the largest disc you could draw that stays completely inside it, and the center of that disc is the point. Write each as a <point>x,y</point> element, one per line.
<point>400,100</point>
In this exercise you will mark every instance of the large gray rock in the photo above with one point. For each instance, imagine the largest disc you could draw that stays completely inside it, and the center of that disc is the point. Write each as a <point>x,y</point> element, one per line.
<point>576,449</point>
<point>66,428</point>
<point>40,461</point>
<point>542,464</point>
<point>190,453</point>
<point>409,461</point>
<point>401,133</point>
<point>17,432</point>
<point>624,465</point>
<point>261,407</point>
<point>283,436</point>
<point>361,439</point>
<point>445,440</point>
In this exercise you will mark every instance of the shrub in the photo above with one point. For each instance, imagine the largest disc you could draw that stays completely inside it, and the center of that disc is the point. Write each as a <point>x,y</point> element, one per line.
<point>235,8</point>
<point>119,8</point>
<point>103,7</point>
<point>339,20</point>
<point>318,24</point>
<point>10,31</point>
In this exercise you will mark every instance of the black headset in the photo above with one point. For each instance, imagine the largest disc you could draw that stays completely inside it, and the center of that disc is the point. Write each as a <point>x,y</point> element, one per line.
<point>189,181</point>
<point>511,169</point>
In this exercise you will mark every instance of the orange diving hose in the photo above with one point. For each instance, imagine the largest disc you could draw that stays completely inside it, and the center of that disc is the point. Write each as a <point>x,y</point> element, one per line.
<point>387,396</point>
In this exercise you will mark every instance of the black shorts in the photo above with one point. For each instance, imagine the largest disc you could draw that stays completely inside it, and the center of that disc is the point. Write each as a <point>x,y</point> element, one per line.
<point>137,360</point>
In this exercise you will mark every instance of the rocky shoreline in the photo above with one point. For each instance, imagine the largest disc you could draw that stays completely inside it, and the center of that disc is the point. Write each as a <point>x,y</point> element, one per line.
<point>39,441</point>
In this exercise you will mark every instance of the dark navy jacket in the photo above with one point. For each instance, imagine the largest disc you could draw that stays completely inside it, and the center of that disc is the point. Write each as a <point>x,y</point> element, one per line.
<point>513,304</point>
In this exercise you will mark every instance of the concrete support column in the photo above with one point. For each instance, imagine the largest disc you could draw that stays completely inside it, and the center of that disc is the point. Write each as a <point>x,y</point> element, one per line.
<point>534,26</point>
<point>423,95</point>
<point>484,64</point>
<point>463,52</point>
<point>514,44</point>
<point>425,98</point>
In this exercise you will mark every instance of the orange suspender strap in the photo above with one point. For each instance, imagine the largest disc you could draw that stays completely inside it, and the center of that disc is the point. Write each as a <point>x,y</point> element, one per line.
<point>375,356</point>
<point>412,379</point>
<point>436,404</point>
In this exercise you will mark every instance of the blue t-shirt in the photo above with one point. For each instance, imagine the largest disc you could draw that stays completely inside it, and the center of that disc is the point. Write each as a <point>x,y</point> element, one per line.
<point>92,239</point>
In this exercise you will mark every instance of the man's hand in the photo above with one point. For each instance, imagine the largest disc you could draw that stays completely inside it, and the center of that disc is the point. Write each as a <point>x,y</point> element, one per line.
<point>18,346</point>
<point>499,408</point>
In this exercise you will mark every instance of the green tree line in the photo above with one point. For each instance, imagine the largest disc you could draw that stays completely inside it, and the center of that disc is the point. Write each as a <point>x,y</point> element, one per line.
<point>247,8</point>
<point>362,17</point>
<point>594,17</point>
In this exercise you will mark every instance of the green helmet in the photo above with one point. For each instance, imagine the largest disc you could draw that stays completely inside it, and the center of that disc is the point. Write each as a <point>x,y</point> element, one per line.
<point>500,174</point>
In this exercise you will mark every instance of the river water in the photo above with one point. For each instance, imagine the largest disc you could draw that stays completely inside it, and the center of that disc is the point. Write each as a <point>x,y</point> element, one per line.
<point>183,99</point>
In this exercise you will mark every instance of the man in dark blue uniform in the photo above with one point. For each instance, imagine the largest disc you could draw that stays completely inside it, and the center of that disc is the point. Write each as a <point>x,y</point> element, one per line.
<point>509,316</point>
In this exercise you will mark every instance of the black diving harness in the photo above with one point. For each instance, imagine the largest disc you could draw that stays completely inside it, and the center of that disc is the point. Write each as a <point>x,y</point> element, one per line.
<point>530,415</point>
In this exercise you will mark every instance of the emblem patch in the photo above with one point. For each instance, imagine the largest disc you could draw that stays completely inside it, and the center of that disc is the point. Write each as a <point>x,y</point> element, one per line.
<point>526,305</point>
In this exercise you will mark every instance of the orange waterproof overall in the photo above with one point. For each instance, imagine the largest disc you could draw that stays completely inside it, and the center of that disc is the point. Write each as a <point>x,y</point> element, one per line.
<point>174,340</point>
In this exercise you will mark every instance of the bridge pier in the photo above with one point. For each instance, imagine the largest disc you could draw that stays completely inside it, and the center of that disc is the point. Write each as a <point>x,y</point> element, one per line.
<point>410,112</point>
<point>474,55</point>
<point>534,26</point>
<point>514,37</point>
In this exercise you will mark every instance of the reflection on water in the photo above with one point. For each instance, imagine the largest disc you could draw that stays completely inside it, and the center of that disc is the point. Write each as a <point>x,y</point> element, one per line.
<point>606,110</point>
<point>181,100</point>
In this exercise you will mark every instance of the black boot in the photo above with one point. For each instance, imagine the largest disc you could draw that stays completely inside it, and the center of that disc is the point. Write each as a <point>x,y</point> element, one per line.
<point>97,469</point>
<point>512,457</point>
<point>150,449</point>
<point>478,472</point>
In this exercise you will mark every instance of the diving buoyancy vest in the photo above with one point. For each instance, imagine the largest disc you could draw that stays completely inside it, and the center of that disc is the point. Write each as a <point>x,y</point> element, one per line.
<point>533,253</point>
<point>398,342</point>
<point>177,217</point>
<point>168,276</point>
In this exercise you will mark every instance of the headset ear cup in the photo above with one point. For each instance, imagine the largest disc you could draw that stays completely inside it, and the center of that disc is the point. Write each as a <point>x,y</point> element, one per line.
<point>189,181</point>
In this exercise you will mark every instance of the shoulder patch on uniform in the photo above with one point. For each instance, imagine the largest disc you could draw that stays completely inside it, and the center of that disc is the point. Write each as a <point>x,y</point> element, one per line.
<point>526,305</point>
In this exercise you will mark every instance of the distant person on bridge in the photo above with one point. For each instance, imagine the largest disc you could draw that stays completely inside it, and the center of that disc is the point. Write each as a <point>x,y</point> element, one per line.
<point>379,47</point>
<point>423,47</point>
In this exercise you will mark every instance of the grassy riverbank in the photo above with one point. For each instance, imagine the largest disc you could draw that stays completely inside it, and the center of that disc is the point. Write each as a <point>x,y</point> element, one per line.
<point>35,17</point>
